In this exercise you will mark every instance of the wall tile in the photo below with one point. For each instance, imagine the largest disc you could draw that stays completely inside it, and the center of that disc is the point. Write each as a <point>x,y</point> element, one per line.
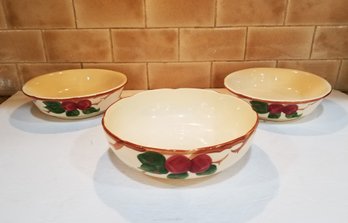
<point>179,75</point>
<point>180,13</point>
<point>135,72</point>
<point>139,45</point>
<point>78,45</point>
<point>331,42</point>
<point>212,44</point>
<point>279,42</point>
<point>29,70</point>
<point>2,18</point>
<point>222,69</point>
<point>21,46</point>
<point>9,83</point>
<point>250,12</point>
<point>317,12</point>
<point>39,13</point>
<point>187,43</point>
<point>108,13</point>
<point>342,81</point>
<point>327,69</point>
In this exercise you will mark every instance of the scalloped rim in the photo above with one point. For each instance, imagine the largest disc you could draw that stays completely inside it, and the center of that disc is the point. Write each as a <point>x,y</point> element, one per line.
<point>201,150</point>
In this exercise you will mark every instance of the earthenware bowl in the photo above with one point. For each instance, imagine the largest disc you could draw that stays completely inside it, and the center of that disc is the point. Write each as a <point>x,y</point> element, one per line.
<point>278,94</point>
<point>77,93</point>
<point>180,133</point>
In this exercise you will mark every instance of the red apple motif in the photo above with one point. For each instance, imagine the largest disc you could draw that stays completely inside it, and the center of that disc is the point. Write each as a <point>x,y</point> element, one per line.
<point>290,109</point>
<point>178,164</point>
<point>69,105</point>
<point>84,104</point>
<point>200,163</point>
<point>275,108</point>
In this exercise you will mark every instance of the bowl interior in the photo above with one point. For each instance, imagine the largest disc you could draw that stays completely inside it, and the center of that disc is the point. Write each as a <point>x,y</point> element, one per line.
<point>74,83</point>
<point>182,119</point>
<point>277,84</point>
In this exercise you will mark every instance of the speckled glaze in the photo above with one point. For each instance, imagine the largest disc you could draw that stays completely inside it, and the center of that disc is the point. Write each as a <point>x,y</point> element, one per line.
<point>180,133</point>
<point>77,93</point>
<point>278,94</point>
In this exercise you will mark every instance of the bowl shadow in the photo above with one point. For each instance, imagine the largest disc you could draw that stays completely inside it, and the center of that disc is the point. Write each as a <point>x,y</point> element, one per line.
<point>327,118</point>
<point>28,118</point>
<point>246,187</point>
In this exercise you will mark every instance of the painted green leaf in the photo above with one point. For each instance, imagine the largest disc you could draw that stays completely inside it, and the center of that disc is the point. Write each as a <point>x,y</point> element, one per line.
<point>90,110</point>
<point>72,113</point>
<point>274,115</point>
<point>148,168</point>
<point>293,115</point>
<point>152,162</point>
<point>259,107</point>
<point>152,158</point>
<point>177,175</point>
<point>54,106</point>
<point>212,169</point>
<point>153,169</point>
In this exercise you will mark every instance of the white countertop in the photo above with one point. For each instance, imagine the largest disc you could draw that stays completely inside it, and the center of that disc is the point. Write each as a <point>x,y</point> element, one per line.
<point>60,171</point>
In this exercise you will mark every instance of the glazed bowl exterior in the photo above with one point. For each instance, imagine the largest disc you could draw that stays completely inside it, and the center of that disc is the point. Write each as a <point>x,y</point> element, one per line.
<point>180,133</point>
<point>278,94</point>
<point>76,93</point>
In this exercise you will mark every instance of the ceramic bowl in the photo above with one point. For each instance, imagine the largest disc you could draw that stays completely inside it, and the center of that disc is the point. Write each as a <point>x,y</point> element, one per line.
<point>77,93</point>
<point>180,133</point>
<point>278,94</point>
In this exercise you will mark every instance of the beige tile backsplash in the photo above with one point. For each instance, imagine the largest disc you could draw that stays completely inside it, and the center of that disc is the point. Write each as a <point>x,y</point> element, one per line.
<point>172,43</point>
<point>176,75</point>
<point>145,45</point>
<point>317,12</point>
<point>250,12</point>
<point>31,14</point>
<point>180,13</point>
<point>209,44</point>
<point>68,45</point>
<point>109,13</point>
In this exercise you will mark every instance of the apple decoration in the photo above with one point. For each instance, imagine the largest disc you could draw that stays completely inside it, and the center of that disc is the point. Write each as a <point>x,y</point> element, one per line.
<point>176,166</point>
<point>71,108</point>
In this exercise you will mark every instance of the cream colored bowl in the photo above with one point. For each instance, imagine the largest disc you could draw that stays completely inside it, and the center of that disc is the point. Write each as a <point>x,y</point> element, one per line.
<point>77,93</point>
<point>180,133</point>
<point>278,94</point>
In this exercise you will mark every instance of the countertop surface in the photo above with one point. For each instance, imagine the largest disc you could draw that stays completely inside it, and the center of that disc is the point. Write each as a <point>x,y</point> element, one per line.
<point>60,171</point>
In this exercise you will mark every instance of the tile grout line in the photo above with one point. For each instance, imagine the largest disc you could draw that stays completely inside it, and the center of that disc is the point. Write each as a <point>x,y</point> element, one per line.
<point>44,45</point>
<point>179,37</point>
<point>112,46</point>
<point>147,76</point>
<point>215,12</point>
<point>246,42</point>
<point>74,10</point>
<point>173,27</point>
<point>19,77</point>
<point>145,13</point>
<point>312,43</point>
<point>146,62</point>
<point>287,6</point>
<point>338,73</point>
<point>211,75</point>
<point>5,11</point>
<point>167,61</point>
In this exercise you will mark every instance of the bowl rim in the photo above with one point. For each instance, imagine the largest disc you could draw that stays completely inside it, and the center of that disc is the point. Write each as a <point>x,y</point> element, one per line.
<point>196,151</point>
<point>96,95</point>
<point>241,95</point>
